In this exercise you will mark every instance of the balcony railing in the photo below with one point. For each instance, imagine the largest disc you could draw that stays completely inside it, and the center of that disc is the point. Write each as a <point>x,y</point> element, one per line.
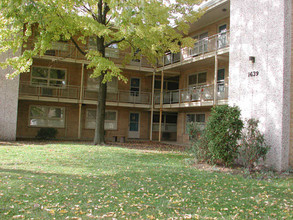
<point>195,94</point>
<point>67,50</point>
<point>166,127</point>
<point>209,44</point>
<point>120,96</point>
<point>73,93</point>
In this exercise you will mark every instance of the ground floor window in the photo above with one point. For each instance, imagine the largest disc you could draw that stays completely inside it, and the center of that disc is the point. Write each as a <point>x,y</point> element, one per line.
<point>47,116</point>
<point>195,117</point>
<point>169,122</point>
<point>110,119</point>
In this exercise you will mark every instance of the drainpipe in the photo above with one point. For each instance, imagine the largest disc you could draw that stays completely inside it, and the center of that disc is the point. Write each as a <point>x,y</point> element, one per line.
<point>215,78</point>
<point>152,110</point>
<point>80,100</point>
<point>161,106</point>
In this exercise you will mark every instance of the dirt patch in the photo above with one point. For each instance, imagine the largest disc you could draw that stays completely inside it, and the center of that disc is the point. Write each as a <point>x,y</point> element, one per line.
<point>149,145</point>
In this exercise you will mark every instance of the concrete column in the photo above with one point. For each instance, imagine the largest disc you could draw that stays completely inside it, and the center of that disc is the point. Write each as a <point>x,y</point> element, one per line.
<point>8,101</point>
<point>261,89</point>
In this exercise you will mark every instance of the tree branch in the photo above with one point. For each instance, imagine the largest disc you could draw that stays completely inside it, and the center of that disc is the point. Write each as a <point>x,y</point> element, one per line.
<point>114,42</point>
<point>78,48</point>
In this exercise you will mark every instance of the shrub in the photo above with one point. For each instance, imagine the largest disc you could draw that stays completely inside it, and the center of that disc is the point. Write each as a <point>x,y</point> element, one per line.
<point>253,146</point>
<point>198,146</point>
<point>223,130</point>
<point>47,133</point>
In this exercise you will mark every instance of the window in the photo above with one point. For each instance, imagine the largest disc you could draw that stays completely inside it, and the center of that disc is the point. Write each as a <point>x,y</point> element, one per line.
<point>198,118</point>
<point>134,86</point>
<point>197,79</point>
<point>222,37</point>
<point>110,119</point>
<point>111,51</point>
<point>169,122</point>
<point>48,77</point>
<point>93,84</point>
<point>201,45</point>
<point>47,116</point>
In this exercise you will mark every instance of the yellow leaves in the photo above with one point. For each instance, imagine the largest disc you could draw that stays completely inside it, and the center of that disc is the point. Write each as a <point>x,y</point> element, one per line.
<point>17,216</point>
<point>63,211</point>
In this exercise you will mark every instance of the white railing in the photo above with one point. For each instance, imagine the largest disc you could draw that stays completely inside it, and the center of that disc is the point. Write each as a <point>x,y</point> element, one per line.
<point>194,94</point>
<point>209,44</point>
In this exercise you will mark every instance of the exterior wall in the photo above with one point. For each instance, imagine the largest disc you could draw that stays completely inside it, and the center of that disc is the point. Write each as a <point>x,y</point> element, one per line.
<point>8,102</point>
<point>209,68</point>
<point>73,71</point>
<point>266,96</point>
<point>212,29</point>
<point>24,130</point>
<point>70,131</point>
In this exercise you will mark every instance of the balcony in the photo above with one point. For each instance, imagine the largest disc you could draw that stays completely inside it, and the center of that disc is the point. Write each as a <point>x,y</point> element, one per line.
<point>68,52</point>
<point>195,96</point>
<point>72,94</point>
<point>205,47</point>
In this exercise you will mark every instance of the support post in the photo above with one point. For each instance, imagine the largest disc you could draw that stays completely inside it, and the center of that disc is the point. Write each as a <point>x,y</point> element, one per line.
<point>80,100</point>
<point>152,110</point>
<point>161,106</point>
<point>215,79</point>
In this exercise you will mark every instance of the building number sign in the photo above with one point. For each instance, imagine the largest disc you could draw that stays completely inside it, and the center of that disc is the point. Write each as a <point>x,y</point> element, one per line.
<point>253,74</point>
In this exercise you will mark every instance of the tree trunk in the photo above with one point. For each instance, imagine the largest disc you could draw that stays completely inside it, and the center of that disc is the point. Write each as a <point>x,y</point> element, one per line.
<point>100,113</point>
<point>101,105</point>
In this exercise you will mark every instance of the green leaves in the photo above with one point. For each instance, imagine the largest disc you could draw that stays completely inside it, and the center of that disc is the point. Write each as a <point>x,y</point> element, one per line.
<point>144,25</point>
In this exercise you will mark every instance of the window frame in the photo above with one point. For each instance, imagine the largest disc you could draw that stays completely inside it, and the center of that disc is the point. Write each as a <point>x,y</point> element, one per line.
<point>48,78</point>
<point>197,113</point>
<point>197,84</point>
<point>92,109</point>
<point>109,89</point>
<point>46,126</point>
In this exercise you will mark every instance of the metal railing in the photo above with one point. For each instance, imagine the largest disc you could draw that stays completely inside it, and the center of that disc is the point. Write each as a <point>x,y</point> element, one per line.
<point>73,92</point>
<point>68,50</point>
<point>120,96</point>
<point>194,94</point>
<point>166,127</point>
<point>209,44</point>
<point>41,90</point>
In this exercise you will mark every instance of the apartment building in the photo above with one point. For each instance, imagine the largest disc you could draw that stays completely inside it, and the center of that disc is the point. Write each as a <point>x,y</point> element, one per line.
<point>241,58</point>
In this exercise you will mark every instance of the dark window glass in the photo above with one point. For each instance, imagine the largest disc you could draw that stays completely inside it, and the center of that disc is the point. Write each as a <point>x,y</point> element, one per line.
<point>173,85</point>
<point>171,119</point>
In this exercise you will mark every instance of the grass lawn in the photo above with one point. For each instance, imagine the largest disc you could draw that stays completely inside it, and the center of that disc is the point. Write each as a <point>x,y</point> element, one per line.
<point>74,181</point>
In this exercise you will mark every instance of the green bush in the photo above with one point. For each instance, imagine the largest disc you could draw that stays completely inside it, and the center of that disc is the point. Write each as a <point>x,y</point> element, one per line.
<point>47,133</point>
<point>198,146</point>
<point>253,146</point>
<point>223,130</point>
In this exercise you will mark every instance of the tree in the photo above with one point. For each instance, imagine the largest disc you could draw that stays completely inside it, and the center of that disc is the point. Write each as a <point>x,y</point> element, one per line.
<point>144,26</point>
